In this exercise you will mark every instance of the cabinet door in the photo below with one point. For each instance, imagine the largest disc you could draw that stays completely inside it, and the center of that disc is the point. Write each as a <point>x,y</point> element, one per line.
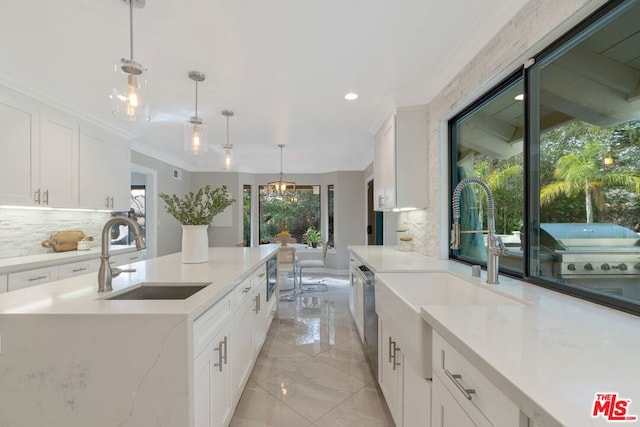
<point>58,159</point>
<point>384,167</point>
<point>390,375</point>
<point>202,383</point>
<point>221,381</point>
<point>117,160</point>
<point>446,412</point>
<point>259,307</point>
<point>416,410</point>
<point>91,188</point>
<point>241,347</point>
<point>78,268</point>
<point>19,131</point>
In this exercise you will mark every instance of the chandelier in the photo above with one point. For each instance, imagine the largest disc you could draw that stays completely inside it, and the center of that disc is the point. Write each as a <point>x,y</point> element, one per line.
<point>129,98</point>
<point>281,188</point>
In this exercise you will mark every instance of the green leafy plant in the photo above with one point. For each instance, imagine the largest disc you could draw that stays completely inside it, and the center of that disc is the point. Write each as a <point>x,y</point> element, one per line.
<point>198,208</point>
<point>312,235</point>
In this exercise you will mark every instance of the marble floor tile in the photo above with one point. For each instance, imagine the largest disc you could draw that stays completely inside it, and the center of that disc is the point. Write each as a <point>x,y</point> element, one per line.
<point>365,408</point>
<point>257,408</point>
<point>312,388</point>
<point>311,370</point>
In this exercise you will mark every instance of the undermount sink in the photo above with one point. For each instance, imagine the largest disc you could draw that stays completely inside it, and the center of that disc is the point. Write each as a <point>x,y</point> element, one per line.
<point>399,297</point>
<point>159,291</point>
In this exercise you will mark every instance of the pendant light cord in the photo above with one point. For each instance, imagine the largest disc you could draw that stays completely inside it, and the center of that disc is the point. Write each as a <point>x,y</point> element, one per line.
<point>131,33</point>
<point>227,131</point>
<point>196,97</point>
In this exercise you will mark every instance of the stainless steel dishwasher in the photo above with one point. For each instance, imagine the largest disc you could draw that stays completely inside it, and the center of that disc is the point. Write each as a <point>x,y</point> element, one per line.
<point>370,317</point>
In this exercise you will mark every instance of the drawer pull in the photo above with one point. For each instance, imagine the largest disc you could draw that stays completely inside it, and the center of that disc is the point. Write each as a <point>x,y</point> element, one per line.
<point>395,356</point>
<point>77,270</point>
<point>33,279</point>
<point>455,378</point>
<point>247,289</point>
<point>261,275</point>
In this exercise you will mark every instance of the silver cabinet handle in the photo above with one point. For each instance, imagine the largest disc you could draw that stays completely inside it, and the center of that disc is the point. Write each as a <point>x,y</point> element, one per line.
<point>133,258</point>
<point>106,202</point>
<point>219,350</point>
<point>225,350</point>
<point>36,196</point>
<point>395,357</point>
<point>45,197</point>
<point>261,275</point>
<point>391,353</point>
<point>257,306</point>
<point>467,392</point>
<point>77,270</point>
<point>247,289</point>
<point>33,279</point>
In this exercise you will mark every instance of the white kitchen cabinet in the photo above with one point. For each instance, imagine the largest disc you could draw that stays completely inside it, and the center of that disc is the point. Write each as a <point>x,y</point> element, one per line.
<point>400,174</point>
<point>105,170</point>
<point>19,132</point>
<point>446,410</point>
<point>473,393</point>
<point>3,283</point>
<point>126,258</point>
<point>78,268</point>
<point>57,177</point>
<point>260,309</point>
<point>390,370</point>
<point>25,279</point>
<point>212,366</point>
<point>241,345</point>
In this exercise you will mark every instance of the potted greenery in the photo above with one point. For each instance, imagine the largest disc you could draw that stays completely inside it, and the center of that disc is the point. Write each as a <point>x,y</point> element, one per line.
<point>195,211</point>
<point>312,237</point>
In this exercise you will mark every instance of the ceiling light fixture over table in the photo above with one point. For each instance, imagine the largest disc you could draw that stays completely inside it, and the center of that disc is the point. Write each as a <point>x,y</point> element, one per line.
<point>226,158</point>
<point>281,188</point>
<point>129,98</point>
<point>195,130</point>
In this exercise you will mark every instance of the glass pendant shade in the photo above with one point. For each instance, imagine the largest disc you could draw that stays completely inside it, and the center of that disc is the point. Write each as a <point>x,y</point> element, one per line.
<point>226,158</point>
<point>129,99</point>
<point>195,136</point>
<point>195,130</point>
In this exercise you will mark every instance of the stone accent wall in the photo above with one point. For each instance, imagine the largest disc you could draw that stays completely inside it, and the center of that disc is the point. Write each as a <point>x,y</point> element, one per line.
<point>22,230</point>
<point>534,27</point>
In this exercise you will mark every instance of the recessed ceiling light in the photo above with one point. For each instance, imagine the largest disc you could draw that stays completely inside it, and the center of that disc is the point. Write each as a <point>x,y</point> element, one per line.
<point>519,97</point>
<point>351,96</point>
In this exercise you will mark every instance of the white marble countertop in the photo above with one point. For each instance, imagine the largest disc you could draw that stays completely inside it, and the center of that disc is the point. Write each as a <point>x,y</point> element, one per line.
<point>389,259</point>
<point>550,356</point>
<point>30,262</point>
<point>79,295</point>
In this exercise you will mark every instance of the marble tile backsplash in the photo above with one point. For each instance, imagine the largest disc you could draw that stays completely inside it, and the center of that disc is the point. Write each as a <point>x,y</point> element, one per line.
<point>418,227</point>
<point>23,230</point>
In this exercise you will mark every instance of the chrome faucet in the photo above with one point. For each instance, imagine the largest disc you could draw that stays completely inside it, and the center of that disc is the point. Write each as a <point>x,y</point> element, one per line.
<point>106,273</point>
<point>495,247</point>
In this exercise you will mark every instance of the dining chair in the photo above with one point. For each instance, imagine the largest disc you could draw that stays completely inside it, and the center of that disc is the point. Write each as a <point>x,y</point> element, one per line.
<point>286,264</point>
<point>313,263</point>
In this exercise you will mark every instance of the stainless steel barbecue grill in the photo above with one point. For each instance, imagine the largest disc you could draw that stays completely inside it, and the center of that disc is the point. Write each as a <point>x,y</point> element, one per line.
<point>591,250</point>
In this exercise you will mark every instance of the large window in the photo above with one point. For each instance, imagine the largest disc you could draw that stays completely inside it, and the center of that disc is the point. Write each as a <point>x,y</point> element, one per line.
<point>293,214</point>
<point>571,143</point>
<point>246,215</point>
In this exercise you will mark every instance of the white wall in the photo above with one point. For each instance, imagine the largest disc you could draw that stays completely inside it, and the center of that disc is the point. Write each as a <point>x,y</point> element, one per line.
<point>537,24</point>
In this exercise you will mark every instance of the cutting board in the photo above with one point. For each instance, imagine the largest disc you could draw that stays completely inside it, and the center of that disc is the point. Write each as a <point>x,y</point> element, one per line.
<point>63,241</point>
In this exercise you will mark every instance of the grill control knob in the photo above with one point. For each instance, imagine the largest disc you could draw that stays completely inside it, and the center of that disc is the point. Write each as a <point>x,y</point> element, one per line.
<point>621,267</point>
<point>571,267</point>
<point>589,267</point>
<point>605,267</point>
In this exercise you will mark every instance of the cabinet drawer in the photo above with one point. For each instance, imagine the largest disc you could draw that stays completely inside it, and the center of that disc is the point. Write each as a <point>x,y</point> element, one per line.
<point>242,292</point>
<point>209,323</point>
<point>126,258</point>
<point>77,268</point>
<point>458,375</point>
<point>25,279</point>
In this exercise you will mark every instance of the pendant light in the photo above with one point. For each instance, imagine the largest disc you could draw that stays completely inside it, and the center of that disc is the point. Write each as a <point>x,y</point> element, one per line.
<point>195,130</point>
<point>281,188</point>
<point>129,95</point>
<point>227,159</point>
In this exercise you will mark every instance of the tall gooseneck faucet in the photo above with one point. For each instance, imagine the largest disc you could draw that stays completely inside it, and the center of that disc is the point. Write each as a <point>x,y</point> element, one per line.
<point>495,247</point>
<point>105,272</point>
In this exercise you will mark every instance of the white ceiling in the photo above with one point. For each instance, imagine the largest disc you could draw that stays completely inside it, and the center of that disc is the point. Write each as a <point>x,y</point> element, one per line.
<point>283,67</point>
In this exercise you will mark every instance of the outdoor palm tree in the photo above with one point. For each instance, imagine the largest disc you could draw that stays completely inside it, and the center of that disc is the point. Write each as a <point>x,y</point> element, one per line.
<point>582,170</point>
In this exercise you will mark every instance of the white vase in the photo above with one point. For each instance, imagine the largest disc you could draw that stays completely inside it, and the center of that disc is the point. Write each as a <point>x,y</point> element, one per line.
<point>195,244</point>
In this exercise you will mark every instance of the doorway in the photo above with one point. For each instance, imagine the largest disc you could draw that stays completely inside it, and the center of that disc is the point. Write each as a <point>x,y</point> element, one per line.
<point>374,219</point>
<point>147,179</point>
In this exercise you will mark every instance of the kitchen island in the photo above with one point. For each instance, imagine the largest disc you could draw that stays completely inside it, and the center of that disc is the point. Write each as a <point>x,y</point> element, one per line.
<point>70,357</point>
